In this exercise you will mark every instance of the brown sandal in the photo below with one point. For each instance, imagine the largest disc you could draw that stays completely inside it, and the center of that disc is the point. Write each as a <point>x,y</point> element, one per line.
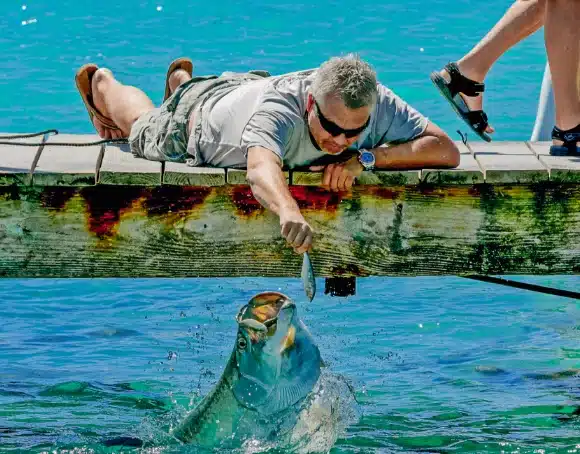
<point>180,63</point>
<point>83,79</point>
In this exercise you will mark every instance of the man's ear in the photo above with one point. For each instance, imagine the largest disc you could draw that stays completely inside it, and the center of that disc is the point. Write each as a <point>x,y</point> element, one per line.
<point>309,102</point>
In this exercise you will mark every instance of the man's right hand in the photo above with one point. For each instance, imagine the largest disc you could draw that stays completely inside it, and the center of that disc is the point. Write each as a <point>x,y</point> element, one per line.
<point>296,230</point>
<point>270,188</point>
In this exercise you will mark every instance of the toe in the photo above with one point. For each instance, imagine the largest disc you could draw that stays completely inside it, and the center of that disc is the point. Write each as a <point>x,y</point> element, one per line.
<point>99,127</point>
<point>101,131</point>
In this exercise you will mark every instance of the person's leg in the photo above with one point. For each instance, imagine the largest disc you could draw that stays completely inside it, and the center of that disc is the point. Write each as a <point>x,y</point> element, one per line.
<point>522,19</point>
<point>562,34</point>
<point>121,103</point>
<point>178,77</point>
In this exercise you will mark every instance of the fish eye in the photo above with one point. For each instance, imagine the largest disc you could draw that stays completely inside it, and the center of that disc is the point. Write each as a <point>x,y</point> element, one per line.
<point>242,343</point>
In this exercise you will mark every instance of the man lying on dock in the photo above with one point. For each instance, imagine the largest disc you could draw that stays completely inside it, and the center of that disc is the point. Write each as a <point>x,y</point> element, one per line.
<point>336,117</point>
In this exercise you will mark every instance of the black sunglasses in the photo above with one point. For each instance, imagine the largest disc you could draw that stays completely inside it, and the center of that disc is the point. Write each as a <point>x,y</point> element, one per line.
<point>334,130</point>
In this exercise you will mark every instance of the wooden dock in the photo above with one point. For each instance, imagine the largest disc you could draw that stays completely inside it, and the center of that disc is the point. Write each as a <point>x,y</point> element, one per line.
<point>96,211</point>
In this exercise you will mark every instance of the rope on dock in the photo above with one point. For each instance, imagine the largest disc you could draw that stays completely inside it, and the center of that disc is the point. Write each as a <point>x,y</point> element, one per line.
<point>48,132</point>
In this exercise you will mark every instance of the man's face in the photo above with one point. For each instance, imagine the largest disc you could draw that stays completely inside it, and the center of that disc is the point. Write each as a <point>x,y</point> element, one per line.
<point>333,125</point>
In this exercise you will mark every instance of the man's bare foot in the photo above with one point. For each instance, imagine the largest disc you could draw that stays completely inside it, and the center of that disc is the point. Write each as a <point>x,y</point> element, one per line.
<point>102,77</point>
<point>176,78</point>
<point>473,102</point>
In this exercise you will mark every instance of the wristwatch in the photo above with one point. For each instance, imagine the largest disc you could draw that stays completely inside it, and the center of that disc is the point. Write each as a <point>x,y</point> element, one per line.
<point>366,158</point>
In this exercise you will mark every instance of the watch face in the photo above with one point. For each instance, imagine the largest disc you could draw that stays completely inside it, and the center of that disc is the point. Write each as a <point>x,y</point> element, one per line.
<point>367,158</point>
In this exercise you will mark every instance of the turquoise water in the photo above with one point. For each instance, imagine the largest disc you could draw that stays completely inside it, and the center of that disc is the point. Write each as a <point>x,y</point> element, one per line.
<point>404,41</point>
<point>437,364</point>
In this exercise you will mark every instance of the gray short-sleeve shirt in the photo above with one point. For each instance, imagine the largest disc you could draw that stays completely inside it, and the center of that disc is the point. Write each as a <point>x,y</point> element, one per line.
<point>271,113</point>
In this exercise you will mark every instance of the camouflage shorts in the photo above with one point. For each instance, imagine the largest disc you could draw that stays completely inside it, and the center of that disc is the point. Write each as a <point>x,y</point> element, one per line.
<point>161,134</point>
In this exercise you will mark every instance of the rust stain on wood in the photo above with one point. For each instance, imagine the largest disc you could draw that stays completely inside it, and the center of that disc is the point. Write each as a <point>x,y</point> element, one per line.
<point>56,197</point>
<point>315,198</point>
<point>307,197</point>
<point>163,200</point>
<point>244,201</point>
<point>104,205</point>
<point>384,193</point>
<point>133,231</point>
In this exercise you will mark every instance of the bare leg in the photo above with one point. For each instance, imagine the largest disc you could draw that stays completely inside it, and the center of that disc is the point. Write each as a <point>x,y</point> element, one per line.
<point>562,33</point>
<point>522,19</point>
<point>176,78</point>
<point>121,103</point>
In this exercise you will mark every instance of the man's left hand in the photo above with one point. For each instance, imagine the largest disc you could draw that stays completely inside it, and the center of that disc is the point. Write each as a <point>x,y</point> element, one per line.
<point>340,176</point>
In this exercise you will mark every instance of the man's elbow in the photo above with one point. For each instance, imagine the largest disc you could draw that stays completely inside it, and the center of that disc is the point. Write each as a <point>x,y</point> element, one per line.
<point>254,168</point>
<point>251,174</point>
<point>260,163</point>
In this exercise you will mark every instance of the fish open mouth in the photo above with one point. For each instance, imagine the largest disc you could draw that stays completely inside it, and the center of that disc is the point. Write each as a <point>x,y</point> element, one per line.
<point>276,361</point>
<point>260,316</point>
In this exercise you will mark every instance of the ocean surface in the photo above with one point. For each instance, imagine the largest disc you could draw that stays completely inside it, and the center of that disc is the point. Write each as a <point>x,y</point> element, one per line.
<point>434,364</point>
<point>43,43</point>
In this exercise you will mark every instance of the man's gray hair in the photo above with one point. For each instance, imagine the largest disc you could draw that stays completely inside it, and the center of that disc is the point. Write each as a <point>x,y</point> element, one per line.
<point>349,78</point>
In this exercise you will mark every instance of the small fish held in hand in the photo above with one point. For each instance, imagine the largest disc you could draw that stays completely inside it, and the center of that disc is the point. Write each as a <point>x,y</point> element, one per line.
<point>307,275</point>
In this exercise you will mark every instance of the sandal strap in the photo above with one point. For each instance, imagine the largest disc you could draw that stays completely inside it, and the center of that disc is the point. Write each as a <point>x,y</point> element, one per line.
<point>477,119</point>
<point>569,137</point>
<point>461,84</point>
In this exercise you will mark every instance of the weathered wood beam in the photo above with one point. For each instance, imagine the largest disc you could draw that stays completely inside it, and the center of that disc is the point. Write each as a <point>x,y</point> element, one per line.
<point>510,209</point>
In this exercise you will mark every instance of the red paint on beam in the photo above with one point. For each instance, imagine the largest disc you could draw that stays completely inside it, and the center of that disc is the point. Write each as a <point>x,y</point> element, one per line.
<point>244,200</point>
<point>430,190</point>
<point>477,190</point>
<point>316,198</point>
<point>56,197</point>
<point>307,197</point>
<point>175,199</point>
<point>104,205</point>
<point>384,193</point>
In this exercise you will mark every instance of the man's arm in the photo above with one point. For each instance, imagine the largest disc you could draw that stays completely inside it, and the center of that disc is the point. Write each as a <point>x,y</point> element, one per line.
<point>268,184</point>
<point>432,149</point>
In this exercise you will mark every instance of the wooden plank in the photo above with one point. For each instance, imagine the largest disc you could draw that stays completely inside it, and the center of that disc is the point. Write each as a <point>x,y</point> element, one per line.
<point>500,148</point>
<point>561,168</point>
<point>120,167</point>
<point>16,161</point>
<point>305,178</point>
<point>389,178</point>
<point>238,176</point>
<point>68,165</point>
<point>183,175</point>
<point>468,171</point>
<point>367,178</point>
<point>176,231</point>
<point>509,162</point>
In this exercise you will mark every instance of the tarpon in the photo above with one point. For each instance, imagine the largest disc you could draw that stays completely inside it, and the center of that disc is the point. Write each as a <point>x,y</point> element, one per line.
<point>271,371</point>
